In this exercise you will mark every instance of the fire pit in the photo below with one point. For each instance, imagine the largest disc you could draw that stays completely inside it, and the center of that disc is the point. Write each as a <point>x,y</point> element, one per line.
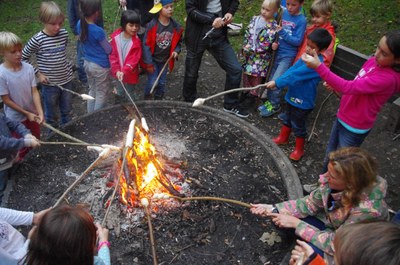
<point>209,152</point>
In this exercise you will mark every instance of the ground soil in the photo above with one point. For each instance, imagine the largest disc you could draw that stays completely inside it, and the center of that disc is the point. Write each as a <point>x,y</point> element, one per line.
<point>237,223</point>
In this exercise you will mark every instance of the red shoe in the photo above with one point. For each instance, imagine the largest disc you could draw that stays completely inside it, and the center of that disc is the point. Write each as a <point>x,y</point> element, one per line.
<point>298,152</point>
<point>283,136</point>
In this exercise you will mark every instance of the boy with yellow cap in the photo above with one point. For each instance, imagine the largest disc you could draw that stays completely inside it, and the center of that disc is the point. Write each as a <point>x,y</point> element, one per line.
<point>161,42</point>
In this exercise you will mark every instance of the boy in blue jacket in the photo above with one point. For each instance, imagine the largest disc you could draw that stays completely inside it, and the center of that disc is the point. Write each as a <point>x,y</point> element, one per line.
<point>9,146</point>
<point>302,85</point>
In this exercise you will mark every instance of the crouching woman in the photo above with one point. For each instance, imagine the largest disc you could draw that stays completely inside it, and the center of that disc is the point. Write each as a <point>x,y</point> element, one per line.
<point>349,192</point>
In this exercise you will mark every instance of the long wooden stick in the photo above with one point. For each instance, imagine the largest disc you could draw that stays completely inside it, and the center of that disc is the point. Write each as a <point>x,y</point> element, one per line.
<point>316,117</point>
<point>151,234</point>
<point>62,134</point>
<point>207,198</point>
<point>159,75</point>
<point>68,143</point>
<point>77,181</point>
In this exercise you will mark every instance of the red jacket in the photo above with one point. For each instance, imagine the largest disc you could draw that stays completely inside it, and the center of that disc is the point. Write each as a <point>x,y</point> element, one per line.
<point>149,41</point>
<point>329,53</point>
<point>130,67</point>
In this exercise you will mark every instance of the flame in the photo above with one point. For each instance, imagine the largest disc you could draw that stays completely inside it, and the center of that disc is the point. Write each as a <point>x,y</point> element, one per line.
<point>143,175</point>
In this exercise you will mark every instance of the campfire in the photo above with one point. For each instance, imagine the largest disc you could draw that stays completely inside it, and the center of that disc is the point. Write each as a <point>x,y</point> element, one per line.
<point>144,174</point>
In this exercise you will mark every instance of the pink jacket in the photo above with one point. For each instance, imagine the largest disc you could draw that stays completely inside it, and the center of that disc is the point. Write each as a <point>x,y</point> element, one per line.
<point>363,97</point>
<point>130,67</point>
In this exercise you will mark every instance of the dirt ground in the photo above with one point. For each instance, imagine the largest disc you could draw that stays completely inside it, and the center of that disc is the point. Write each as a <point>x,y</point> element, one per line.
<point>211,80</point>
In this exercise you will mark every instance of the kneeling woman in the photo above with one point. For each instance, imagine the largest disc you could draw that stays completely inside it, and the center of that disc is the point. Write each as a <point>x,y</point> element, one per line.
<point>348,193</point>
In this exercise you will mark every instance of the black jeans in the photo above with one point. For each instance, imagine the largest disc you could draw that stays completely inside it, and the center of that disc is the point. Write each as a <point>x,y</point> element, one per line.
<point>223,53</point>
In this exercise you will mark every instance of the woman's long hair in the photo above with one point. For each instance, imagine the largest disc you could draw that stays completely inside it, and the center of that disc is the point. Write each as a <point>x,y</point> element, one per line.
<point>65,236</point>
<point>358,170</point>
<point>88,8</point>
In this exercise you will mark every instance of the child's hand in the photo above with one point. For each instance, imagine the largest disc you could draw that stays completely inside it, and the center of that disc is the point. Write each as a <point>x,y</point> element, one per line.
<point>278,28</point>
<point>120,75</point>
<point>270,84</point>
<point>31,142</point>
<point>37,217</point>
<point>312,61</point>
<point>31,116</point>
<point>102,233</point>
<point>275,46</point>
<point>174,55</point>
<point>39,118</point>
<point>300,253</point>
<point>43,78</point>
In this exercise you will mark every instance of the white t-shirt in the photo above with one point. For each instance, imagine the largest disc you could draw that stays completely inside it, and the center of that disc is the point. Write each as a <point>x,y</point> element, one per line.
<point>18,86</point>
<point>13,246</point>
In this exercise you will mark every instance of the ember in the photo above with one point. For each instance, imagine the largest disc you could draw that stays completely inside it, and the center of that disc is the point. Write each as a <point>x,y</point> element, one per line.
<point>144,174</point>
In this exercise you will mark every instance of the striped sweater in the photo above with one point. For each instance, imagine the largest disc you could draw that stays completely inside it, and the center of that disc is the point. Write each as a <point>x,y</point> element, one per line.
<point>51,57</point>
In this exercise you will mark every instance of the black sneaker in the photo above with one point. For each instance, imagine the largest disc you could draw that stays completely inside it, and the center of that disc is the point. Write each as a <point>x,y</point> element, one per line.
<point>242,113</point>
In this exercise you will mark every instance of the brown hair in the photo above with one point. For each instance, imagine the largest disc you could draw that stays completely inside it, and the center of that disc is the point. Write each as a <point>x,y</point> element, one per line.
<point>66,235</point>
<point>50,12</point>
<point>368,244</point>
<point>88,8</point>
<point>358,169</point>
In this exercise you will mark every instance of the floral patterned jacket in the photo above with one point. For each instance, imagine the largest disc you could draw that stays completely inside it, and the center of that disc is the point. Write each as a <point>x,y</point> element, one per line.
<point>257,49</point>
<point>371,206</point>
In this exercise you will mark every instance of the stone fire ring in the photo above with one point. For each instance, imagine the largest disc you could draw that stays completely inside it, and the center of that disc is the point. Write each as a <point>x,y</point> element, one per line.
<point>169,118</point>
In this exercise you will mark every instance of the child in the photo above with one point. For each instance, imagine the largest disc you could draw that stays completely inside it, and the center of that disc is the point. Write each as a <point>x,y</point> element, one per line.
<point>13,246</point>
<point>290,37</point>
<point>96,49</point>
<point>257,46</point>
<point>161,41</point>
<point>49,46</point>
<point>67,235</point>
<point>18,87</point>
<point>9,146</point>
<point>321,12</point>
<point>349,192</point>
<point>126,53</point>
<point>302,85</point>
<point>73,17</point>
<point>363,97</point>
<point>366,243</point>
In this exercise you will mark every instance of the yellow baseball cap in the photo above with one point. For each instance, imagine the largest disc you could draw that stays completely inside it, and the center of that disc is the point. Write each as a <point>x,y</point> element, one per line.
<point>158,4</point>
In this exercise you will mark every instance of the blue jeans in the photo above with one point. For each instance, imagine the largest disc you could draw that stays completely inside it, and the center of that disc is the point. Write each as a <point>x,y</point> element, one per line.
<point>296,119</point>
<point>79,61</point>
<point>3,182</point>
<point>56,100</point>
<point>223,53</point>
<point>280,66</point>
<point>99,86</point>
<point>159,90</point>
<point>341,137</point>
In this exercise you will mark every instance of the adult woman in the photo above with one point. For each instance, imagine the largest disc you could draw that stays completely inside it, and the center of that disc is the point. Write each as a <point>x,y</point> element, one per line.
<point>350,191</point>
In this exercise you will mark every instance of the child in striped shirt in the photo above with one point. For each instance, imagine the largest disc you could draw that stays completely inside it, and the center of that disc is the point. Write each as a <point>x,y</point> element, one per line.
<point>52,69</point>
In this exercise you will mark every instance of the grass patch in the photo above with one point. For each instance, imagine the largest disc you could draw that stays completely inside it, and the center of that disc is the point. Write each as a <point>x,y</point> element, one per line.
<point>361,23</point>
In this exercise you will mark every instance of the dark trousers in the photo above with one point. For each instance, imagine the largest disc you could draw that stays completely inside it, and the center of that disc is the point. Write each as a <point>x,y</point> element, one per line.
<point>226,58</point>
<point>296,119</point>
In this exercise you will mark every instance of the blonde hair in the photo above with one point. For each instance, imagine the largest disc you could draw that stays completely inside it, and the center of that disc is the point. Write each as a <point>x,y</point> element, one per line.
<point>8,40</point>
<point>321,7</point>
<point>358,170</point>
<point>50,12</point>
<point>273,3</point>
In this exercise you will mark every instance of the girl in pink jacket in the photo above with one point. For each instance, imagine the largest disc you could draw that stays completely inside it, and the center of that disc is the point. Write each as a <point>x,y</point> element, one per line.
<point>363,97</point>
<point>126,53</point>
